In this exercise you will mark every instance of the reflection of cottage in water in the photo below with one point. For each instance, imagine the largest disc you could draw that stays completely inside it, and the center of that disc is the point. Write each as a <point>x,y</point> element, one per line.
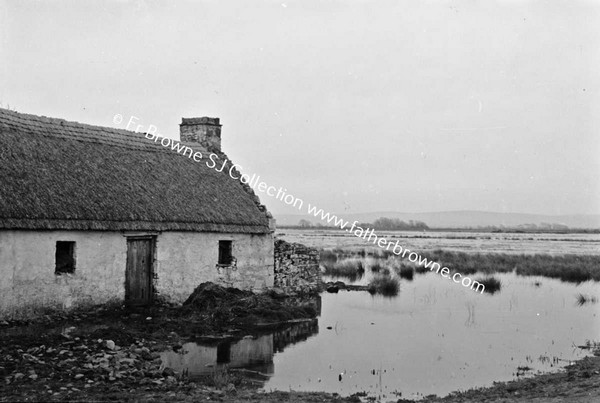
<point>253,354</point>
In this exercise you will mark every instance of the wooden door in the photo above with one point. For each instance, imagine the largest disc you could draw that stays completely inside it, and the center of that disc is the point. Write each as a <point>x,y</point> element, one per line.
<point>138,273</point>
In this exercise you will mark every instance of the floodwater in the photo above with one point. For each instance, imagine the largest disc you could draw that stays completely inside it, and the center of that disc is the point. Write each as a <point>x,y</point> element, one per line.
<point>583,244</point>
<point>434,337</point>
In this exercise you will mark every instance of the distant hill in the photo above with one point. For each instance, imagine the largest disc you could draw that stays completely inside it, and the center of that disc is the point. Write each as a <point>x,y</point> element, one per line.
<point>460,219</point>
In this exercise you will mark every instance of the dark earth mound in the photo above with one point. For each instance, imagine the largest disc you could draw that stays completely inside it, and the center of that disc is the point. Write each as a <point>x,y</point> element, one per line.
<point>231,306</point>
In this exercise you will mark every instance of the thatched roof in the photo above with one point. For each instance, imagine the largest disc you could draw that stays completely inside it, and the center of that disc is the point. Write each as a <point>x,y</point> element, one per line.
<point>56,174</point>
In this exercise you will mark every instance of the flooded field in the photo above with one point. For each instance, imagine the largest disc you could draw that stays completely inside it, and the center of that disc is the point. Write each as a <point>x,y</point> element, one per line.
<point>584,244</point>
<point>433,338</point>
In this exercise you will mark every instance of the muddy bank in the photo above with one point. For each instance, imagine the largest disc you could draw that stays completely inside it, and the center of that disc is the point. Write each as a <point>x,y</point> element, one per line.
<point>579,382</point>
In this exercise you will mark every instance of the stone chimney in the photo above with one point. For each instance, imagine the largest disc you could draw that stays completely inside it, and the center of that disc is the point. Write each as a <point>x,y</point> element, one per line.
<point>205,131</point>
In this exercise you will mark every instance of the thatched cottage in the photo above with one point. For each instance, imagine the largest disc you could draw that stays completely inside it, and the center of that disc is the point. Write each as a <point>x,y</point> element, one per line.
<point>92,215</point>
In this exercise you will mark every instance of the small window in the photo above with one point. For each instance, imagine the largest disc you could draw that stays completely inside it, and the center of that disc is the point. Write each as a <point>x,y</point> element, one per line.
<point>225,255</point>
<point>223,353</point>
<point>65,257</point>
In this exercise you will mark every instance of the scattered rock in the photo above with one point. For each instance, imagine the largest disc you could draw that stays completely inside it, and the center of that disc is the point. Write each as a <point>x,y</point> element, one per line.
<point>110,344</point>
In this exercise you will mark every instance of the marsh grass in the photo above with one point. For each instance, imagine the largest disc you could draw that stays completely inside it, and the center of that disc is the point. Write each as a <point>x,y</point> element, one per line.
<point>377,266</point>
<point>570,268</point>
<point>352,269</point>
<point>421,269</point>
<point>384,254</point>
<point>384,285</point>
<point>327,258</point>
<point>406,272</point>
<point>492,284</point>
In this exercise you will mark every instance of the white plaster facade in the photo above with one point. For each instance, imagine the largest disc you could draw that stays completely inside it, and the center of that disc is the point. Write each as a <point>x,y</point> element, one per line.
<point>183,260</point>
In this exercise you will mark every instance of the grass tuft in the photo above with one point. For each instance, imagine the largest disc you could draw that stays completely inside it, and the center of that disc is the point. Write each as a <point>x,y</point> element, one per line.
<point>352,269</point>
<point>492,284</point>
<point>376,266</point>
<point>384,285</point>
<point>406,272</point>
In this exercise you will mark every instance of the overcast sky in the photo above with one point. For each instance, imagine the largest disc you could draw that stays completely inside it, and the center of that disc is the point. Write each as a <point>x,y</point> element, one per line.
<point>353,106</point>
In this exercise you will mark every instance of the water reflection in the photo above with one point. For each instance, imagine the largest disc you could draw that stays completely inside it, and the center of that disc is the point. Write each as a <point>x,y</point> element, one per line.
<point>434,337</point>
<point>253,354</point>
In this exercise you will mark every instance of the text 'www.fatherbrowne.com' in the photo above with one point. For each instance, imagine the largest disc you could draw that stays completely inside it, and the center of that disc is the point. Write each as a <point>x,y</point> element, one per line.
<point>220,164</point>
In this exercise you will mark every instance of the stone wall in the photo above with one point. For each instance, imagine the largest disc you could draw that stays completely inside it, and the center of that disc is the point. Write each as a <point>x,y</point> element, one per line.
<point>296,267</point>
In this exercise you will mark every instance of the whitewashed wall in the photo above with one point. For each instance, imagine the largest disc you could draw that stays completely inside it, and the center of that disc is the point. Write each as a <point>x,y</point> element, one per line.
<point>184,260</point>
<point>29,287</point>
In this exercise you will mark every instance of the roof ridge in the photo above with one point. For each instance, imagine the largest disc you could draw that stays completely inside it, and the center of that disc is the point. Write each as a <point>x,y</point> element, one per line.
<point>61,128</point>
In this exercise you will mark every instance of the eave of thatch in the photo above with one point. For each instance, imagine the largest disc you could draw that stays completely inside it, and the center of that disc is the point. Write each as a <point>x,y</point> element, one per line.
<point>63,175</point>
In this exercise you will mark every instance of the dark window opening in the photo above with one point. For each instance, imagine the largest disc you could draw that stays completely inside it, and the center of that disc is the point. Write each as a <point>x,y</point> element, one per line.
<point>223,353</point>
<point>225,252</point>
<point>65,257</point>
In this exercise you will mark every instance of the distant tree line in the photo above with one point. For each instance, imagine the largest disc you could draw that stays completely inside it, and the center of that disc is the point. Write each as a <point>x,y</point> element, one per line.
<point>393,224</point>
<point>382,224</point>
<point>523,227</point>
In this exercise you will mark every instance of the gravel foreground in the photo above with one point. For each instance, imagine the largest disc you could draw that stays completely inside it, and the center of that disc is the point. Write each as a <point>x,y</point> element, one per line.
<point>580,382</point>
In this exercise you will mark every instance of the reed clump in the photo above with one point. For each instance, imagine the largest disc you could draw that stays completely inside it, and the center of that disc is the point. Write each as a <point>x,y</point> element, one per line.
<point>492,284</point>
<point>352,269</point>
<point>384,285</point>
<point>406,272</point>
